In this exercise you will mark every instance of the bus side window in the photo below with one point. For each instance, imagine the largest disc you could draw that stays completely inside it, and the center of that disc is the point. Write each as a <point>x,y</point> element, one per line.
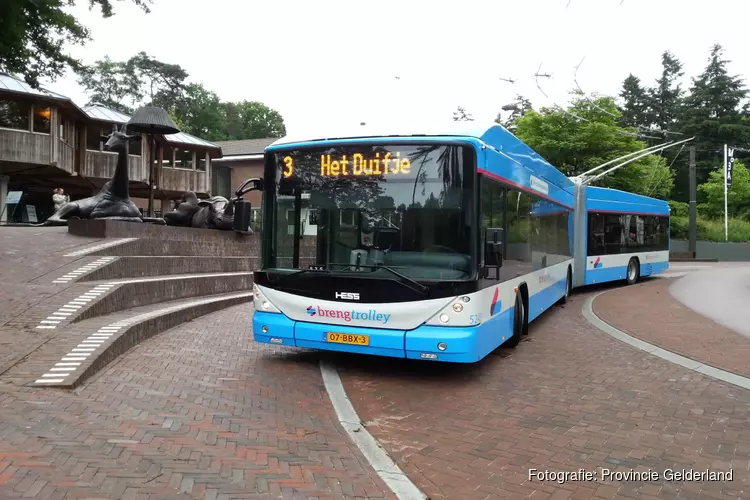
<point>491,216</point>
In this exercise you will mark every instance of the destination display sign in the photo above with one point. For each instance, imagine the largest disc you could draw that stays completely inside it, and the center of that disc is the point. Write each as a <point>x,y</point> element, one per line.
<point>352,165</point>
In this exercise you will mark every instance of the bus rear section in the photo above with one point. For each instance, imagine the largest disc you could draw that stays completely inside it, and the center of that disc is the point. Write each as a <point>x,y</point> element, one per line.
<point>627,236</point>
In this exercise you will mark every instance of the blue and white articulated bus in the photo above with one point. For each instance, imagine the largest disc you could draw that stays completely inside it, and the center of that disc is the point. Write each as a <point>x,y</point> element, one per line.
<point>439,246</point>
<point>619,236</point>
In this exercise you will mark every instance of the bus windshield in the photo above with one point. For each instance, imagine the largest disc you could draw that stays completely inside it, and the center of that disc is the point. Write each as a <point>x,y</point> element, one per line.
<point>372,208</point>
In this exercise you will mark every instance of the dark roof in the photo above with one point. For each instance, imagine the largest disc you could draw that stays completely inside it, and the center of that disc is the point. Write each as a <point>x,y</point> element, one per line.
<point>245,146</point>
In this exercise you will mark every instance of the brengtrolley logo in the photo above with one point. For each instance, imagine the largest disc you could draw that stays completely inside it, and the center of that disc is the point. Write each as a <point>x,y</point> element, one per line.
<point>368,315</point>
<point>597,263</point>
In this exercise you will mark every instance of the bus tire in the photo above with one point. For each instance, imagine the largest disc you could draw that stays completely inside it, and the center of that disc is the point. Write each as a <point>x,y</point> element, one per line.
<point>568,288</point>
<point>634,271</point>
<point>519,314</point>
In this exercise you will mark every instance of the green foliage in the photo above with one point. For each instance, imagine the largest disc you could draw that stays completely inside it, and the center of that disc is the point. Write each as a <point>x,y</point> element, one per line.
<point>517,109</point>
<point>738,197</point>
<point>679,208</point>
<point>35,34</point>
<point>711,229</point>
<point>576,145</point>
<point>665,99</point>
<point>145,81</point>
<point>635,111</point>
<point>712,113</point>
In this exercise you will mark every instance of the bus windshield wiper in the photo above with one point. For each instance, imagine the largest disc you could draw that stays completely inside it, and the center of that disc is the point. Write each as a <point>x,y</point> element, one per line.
<point>415,285</point>
<point>403,279</point>
<point>301,271</point>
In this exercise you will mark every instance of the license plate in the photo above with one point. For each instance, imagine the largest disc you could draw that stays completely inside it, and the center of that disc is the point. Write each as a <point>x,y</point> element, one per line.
<point>347,338</point>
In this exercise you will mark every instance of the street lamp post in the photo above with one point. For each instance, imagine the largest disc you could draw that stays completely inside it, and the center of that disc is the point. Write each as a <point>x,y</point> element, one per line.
<point>152,121</point>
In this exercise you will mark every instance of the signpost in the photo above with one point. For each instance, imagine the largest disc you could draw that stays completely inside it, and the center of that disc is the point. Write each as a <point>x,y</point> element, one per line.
<point>13,198</point>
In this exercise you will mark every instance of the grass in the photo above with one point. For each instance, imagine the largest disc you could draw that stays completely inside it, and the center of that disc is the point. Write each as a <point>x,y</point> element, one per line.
<point>711,229</point>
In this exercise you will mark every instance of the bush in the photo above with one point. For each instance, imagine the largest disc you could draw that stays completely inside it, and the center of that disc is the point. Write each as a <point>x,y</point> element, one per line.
<point>710,229</point>
<point>678,208</point>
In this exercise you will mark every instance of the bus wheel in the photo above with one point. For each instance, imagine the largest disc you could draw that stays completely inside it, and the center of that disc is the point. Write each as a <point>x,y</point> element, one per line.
<point>633,271</point>
<point>518,317</point>
<point>568,284</point>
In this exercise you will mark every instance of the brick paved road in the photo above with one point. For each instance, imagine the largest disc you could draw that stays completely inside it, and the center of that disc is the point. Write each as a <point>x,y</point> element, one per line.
<point>635,310</point>
<point>570,397</point>
<point>196,412</point>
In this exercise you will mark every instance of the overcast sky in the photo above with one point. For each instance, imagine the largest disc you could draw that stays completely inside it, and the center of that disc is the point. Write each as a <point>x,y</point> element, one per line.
<point>323,63</point>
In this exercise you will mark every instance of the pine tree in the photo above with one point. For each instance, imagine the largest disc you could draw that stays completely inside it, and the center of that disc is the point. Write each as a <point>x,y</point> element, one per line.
<point>636,103</point>
<point>517,109</point>
<point>713,115</point>
<point>665,99</point>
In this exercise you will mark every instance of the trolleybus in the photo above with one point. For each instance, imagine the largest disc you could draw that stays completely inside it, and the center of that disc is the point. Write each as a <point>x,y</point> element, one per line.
<point>437,245</point>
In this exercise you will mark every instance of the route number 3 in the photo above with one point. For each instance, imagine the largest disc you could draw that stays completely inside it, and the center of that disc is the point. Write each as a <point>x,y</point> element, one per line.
<point>288,166</point>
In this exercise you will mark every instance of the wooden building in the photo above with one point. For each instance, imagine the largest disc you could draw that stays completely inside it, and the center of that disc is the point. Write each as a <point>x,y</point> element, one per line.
<point>47,141</point>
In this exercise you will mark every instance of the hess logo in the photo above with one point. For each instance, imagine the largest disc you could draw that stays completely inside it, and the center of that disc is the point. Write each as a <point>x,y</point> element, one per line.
<point>347,295</point>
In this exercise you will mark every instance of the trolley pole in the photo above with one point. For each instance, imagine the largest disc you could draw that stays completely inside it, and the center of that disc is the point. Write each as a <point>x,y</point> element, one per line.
<point>692,223</point>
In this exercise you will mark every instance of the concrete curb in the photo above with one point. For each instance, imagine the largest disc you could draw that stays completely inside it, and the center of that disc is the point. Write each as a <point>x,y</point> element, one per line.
<point>386,468</point>
<point>690,364</point>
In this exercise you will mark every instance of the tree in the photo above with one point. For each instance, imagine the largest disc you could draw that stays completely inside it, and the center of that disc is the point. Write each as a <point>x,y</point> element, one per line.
<point>139,81</point>
<point>460,115</point>
<point>635,110</point>
<point>34,35</point>
<point>144,81</point>
<point>575,145</point>
<point>712,113</point>
<point>517,109</point>
<point>201,113</point>
<point>253,120</point>
<point>666,97</point>
<point>109,83</point>
<point>738,197</point>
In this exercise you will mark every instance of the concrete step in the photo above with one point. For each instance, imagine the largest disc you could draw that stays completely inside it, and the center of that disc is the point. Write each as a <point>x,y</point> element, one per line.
<point>238,247</point>
<point>108,297</point>
<point>144,266</point>
<point>79,350</point>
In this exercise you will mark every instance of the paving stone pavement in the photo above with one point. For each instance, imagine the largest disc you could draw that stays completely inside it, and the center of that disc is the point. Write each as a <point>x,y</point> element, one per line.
<point>637,309</point>
<point>199,411</point>
<point>569,397</point>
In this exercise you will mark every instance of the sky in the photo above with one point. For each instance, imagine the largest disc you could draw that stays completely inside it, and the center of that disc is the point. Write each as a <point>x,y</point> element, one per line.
<point>328,63</point>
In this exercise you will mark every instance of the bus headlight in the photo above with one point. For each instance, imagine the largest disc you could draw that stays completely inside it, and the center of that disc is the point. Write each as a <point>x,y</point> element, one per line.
<point>458,307</point>
<point>265,304</point>
<point>442,346</point>
<point>466,299</point>
<point>264,329</point>
<point>444,318</point>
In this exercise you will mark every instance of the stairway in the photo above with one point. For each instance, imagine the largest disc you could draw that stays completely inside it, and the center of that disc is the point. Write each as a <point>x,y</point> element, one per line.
<point>137,281</point>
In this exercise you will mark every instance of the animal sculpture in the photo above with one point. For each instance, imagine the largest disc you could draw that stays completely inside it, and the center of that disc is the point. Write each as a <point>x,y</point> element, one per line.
<point>113,200</point>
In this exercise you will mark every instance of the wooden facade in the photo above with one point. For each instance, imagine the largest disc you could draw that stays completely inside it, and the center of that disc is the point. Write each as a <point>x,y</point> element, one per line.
<point>46,141</point>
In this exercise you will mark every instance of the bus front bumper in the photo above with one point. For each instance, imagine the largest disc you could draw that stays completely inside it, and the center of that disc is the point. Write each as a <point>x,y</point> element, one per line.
<point>433,343</point>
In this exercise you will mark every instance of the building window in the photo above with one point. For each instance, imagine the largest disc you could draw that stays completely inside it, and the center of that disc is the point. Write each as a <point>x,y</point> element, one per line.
<point>201,160</point>
<point>94,138</point>
<point>14,115</point>
<point>42,119</point>
<point>167,157</point>
<point>222,182</point>
<point>134,147</point>
<point>312,217</point>
<point>183,159</point>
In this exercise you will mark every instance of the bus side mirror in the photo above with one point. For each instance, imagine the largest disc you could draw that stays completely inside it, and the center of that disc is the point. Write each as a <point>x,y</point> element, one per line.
<point>242,213</point>
<point>493,251</point>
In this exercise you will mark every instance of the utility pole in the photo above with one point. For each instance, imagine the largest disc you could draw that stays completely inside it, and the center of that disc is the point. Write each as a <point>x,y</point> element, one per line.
<point>692,229</point>
<point>726,215</point>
